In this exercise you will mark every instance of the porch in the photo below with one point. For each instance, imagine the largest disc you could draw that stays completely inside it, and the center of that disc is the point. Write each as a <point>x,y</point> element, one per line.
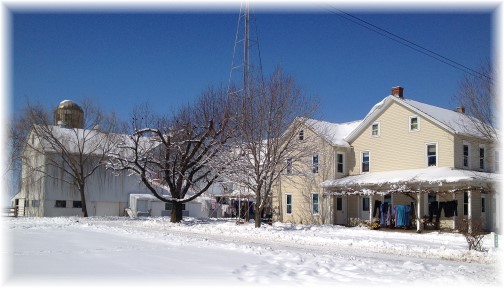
<point>431,198</point>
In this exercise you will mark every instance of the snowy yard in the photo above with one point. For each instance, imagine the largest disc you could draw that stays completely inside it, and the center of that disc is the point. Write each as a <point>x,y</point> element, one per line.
<point>218,253</point>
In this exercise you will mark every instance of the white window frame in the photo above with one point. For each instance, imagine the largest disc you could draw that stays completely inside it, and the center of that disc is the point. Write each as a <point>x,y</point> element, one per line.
<point>363,199</point>
<point>313,203</point>
<point>465,143</point>
<point>362,161</point>
<point>342,162</point>
<point>288,168</point>
<point>315,166</point>
<point>418,123</point>
<point>482,146</point>
<point>301,135</point>
<point>427,154</point>
<point>287,205</point>
<point>377,129</point>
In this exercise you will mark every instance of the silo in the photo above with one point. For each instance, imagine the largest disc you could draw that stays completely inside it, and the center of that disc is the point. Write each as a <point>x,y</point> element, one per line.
<point>69,115</point>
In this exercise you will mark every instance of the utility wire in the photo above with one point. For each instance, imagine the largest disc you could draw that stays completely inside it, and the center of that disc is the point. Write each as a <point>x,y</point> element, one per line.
<point>409,44</point>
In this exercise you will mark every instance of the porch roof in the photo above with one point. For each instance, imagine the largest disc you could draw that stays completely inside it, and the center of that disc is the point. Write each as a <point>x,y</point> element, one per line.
<point>432,179</point>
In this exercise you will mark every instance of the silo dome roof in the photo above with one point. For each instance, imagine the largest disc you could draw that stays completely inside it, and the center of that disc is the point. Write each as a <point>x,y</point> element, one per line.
<point>69,104</point>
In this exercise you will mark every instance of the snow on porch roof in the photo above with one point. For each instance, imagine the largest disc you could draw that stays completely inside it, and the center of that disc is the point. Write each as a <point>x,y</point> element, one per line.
<point>442,179</point>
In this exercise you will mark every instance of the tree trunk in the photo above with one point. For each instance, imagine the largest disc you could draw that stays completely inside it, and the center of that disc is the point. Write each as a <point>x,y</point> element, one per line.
<point>83,201</point>
<point>176,213</point>
<point>257,216</point>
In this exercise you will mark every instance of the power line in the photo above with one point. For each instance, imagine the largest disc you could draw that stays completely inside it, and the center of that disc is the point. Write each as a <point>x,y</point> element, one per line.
<point>410,44</point>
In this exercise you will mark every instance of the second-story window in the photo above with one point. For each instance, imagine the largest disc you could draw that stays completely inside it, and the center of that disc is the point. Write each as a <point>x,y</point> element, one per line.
<point>339,163</point>
<point>301,135</point>
<point>315,203</point>
<point>365,161</point>
<point>431,155</point>
<point>482,158</point>
<point>466,155</point>
<point>315,163</point>
<point>289,166</point>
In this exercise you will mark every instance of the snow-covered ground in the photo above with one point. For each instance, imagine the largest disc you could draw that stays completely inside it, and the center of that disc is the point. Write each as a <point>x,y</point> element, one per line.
<point>218,253</point>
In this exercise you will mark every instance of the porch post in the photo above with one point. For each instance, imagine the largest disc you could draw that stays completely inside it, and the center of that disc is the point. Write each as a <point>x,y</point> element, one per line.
<point>454,197</point>
<point>371,209</point>
<point>418,215</point>
<point>469,210</point>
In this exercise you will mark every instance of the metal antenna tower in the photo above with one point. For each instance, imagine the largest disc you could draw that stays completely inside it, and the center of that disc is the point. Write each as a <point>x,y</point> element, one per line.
<point>247,66</point>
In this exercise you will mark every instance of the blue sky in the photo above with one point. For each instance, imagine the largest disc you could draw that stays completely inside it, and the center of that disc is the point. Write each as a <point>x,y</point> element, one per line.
<point>169,57</point>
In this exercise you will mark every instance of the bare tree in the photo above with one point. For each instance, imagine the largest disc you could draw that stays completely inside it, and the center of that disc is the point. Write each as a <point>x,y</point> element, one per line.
<point>44,149</point>
<point>179,154</point>
<point>477,96</point>
<point>268,123</point>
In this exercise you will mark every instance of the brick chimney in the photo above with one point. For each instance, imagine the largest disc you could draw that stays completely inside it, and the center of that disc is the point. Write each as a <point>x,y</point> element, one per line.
<point>460,109</point>
<point>398,91</point>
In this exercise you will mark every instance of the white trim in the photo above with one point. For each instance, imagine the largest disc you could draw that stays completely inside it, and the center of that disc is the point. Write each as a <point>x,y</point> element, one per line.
<point>468,154</point>
<point>286,204</point>
<point>313,163</point>
<point>418,123</point>
<point>378,129</point>
<point>343,159</point>
<point>427,151</point>
<point>482,146</point>
<point>312,204</point>
<point>362,160</point>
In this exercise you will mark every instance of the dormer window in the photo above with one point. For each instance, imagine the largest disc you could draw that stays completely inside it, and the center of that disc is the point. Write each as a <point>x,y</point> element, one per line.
<point>301,135</point>
<point>414,123</point>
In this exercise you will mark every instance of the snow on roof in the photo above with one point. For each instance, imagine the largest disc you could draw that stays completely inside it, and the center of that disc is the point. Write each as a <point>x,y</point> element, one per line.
<point>435,178</point>
<point>88,141</point>
<point>454,121</point>
<point>334,133</point>
<point>458,122</point>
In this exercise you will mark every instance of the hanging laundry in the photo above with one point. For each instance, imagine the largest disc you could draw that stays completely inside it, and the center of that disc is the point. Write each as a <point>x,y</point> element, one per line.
<point>402,213</point>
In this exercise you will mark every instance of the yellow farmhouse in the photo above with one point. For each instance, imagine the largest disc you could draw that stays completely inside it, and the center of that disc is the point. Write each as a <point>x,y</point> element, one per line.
<point>406,164</point>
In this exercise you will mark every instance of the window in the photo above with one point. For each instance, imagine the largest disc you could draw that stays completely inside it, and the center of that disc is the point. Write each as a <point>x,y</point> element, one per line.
<point>315,163</point>
<point>387,199</point>
<point>482,158</point>
<point>466,203</point>
<point>35,203</point>
<point>431,155</point>
<point>413,123</point>
<point>169,206</point>
<point>339,163</point>
<point>339,204</point>
<point>288,203</point>
<point>26,203</point>
<point>77,204</point>
<point>60,204</point>
<point>496,161</point>
<point>483,205</point>
<point>365,204</point>
<point>315,203</point>
<point>466,155</point>
<point>365,162</point>
<point>301,134</point>
<point>289,166</point>
<point>375,129</point>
